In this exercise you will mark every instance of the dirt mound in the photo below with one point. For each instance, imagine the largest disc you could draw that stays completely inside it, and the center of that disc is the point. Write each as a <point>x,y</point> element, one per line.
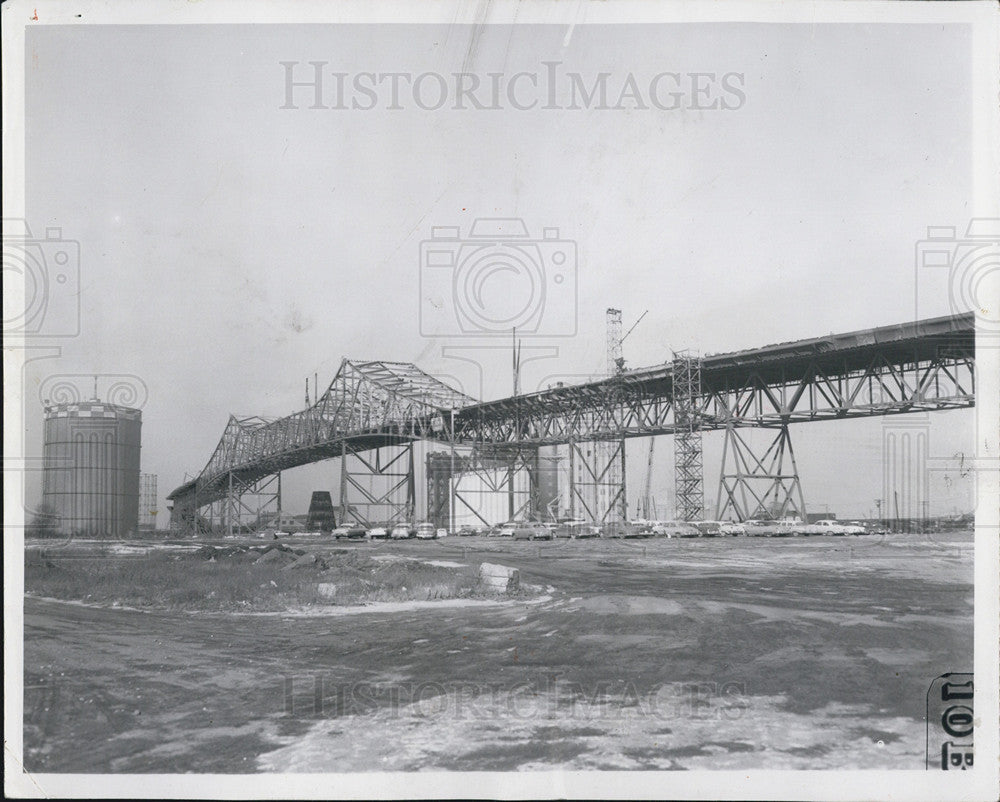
<point>276,553</point>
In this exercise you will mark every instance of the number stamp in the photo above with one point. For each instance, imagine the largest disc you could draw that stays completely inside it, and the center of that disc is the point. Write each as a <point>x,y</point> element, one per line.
<point>950,722</point>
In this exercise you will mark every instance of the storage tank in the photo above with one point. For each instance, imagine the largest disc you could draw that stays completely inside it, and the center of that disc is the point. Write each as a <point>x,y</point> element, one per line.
<point>90,474</point>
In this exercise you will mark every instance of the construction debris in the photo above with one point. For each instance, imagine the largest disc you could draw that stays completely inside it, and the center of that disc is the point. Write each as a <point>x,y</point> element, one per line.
<point>275,555</point>
<point>499,577</point>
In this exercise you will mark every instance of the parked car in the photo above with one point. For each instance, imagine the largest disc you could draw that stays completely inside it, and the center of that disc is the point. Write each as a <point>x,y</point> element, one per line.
<point>568,527</point>
<point>531,530</point>
<point>733,529</point>
<point>467,531</point>
<point>507,529</point>
<point>709,528</point>
<point>378,533</point>
<point>832,527</point>
<point>639,529</point>
<point>356,532</point>
<point>675,529</point>
<point>442,532</point>
<point>625,529</point>
<point>588,530</point>
<point>339,532</point>
<point>761,528</point>
<point>426,531</point>
<point>401,532</point>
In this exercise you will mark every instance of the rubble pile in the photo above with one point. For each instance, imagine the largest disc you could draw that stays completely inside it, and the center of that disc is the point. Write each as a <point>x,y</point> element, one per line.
<point>275,555</point>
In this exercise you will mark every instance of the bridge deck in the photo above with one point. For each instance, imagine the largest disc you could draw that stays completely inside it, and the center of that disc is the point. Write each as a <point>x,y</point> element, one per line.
<point>923,365</point>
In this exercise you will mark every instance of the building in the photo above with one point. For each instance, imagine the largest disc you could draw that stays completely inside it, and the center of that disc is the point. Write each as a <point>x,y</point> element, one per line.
<point>147,502</point>
<point>322,517</point>
<point>90,474</point>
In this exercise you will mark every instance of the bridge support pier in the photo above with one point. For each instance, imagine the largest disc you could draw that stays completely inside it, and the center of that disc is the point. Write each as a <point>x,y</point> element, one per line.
<point>246,504</point>
<point>494,485</point>
<point>377,486</point>
<point>597,481</point>
<point>759,485</point>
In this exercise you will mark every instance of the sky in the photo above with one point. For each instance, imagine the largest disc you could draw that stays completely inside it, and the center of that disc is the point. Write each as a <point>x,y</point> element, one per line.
<point>230,248</point>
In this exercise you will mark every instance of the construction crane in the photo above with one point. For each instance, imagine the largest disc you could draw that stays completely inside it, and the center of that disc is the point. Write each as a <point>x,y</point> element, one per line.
<point>619,365</point>
<point>647,503</point>
<point>616,367</point>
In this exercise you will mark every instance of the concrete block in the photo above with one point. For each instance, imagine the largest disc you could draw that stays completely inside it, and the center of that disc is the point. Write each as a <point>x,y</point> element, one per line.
<point>500,577</point>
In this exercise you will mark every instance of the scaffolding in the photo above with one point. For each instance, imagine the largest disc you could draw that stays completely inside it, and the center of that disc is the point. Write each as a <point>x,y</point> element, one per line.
<point>688,469</point>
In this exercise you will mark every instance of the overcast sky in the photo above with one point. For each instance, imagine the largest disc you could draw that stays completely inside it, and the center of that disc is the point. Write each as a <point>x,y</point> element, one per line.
<point>230,247</point>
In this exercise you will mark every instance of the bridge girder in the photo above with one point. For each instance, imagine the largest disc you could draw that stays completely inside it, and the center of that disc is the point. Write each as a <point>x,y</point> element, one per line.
<point>916,367</point>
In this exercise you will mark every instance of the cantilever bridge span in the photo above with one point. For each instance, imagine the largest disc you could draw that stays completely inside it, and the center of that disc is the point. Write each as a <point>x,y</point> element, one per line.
<point>920,366</point>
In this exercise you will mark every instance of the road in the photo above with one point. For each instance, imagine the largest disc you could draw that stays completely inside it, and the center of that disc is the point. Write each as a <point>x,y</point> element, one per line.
<point>658,654</point>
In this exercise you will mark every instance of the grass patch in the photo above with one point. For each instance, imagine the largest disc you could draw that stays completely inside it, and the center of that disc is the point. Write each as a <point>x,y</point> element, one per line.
<point>242,578</point>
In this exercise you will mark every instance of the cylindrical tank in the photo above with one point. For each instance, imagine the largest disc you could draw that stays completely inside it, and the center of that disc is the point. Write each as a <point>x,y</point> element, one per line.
<point>91,468</point>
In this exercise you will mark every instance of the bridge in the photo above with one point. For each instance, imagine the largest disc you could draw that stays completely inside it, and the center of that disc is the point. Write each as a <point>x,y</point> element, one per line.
<point>921,366</point>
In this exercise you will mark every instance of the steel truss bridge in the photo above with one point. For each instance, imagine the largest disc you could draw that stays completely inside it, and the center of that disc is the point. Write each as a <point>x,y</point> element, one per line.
<point>375,408</point>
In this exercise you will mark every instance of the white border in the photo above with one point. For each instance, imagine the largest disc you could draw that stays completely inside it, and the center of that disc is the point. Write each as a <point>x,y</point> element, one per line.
<point>984,783</point>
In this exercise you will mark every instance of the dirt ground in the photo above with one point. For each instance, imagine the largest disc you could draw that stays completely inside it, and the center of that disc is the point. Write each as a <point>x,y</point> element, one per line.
<point>730,653</point>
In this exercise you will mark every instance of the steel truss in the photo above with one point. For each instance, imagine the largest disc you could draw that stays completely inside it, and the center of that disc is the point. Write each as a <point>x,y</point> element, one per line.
<point>868,375</point>
<point>688,479</point>
<point>377,486</point>
<point>368,404</point>
<point>914,367</point>
<point>762,487</point>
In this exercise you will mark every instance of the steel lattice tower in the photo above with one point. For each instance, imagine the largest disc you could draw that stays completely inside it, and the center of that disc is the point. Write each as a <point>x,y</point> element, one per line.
<point>597,484</point>
<point>611,457</point>
<point>688,478</point>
